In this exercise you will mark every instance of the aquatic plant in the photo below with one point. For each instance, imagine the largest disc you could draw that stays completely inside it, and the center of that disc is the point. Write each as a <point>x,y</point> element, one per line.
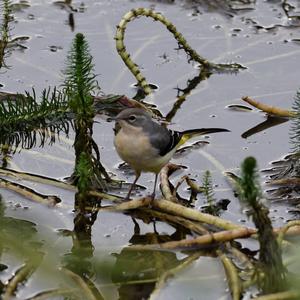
<point>24,119</point>
<point>199,230</point>
<point>192,54</point>
<point>6,41</point>
<point>84,172</point>
<point>208,193</point>
<point>79,86</point>
<point>271,275</point>
<point>80,81</point>
<point>295,127</point>
<point>4,30</point>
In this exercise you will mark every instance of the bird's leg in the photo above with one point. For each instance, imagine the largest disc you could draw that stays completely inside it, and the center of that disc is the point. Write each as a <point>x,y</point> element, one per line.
<point>154,189</point>
<point>137,176</point>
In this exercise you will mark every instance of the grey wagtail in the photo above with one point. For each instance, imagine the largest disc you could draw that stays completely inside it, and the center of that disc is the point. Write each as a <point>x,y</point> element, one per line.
<point>146,145</point>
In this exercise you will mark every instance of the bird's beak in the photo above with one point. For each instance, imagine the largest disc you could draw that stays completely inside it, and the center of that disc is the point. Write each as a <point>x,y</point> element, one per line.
<point>111,119</point>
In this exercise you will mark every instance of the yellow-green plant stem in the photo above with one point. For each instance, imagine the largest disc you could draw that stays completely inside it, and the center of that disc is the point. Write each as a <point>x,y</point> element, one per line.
<point>285,228</point>
<point>20,277</point>
<point>199,241</point>
<point>135,13</point>
<point>280,296</point>
<point>50,200</point>
<point>84,288</point>
<point>233,279</point>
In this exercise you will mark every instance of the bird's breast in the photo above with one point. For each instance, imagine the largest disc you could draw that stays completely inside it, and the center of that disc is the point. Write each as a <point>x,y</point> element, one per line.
<point>134,147</point>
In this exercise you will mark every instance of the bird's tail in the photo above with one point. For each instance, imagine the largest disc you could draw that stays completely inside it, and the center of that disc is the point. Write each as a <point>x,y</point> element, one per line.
<point>188,134</point>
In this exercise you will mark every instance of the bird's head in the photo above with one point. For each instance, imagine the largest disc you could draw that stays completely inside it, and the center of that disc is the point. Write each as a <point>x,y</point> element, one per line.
<point>135,117</point>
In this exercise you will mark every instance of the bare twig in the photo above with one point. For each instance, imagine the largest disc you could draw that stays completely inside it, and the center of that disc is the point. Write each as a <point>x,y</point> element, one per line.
<point>36,178</point>
<point>129,205</point>
<point>106,196</point>
<point>82,285</point>
<point>193,214</point>
<point>234,282</point>
<point>191,225</point>
<point>20,277</point>
<point>193,185</point>
<point>283,230</point>
<point>204,240</point>
<point>51,294</point>
<point>50,200</point>
<point>285,181</point>
<point>271,110</point>
<point>280,296</point>
<point>178,184</point>
<point>165,184</point>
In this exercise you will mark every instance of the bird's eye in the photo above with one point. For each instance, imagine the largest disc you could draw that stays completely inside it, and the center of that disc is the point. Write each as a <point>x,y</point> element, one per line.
<point>132,118</point>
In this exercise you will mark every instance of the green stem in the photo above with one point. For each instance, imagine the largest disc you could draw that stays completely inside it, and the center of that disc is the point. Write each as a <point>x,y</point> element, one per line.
<point>233,279</point>
<point>135,13</point>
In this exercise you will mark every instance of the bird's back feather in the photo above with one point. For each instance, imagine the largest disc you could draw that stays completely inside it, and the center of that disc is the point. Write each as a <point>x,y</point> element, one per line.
<point>176,138</point>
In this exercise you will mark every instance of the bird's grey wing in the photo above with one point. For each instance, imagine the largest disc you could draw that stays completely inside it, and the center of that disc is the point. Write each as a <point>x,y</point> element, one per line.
<point>163,139</point>
<point>175,137</point>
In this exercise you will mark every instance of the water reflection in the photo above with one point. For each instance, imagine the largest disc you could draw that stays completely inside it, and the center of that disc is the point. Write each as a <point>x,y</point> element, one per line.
<point>79,260</point>
<point>270,122</point>
<point>227,7</point>
<point>182,94</point>
<point>71,21</point>
<point>71,10</point>
<point>137,272</point>
<point>17,238</point>
<point>133,271</point>
<point>7,42</point>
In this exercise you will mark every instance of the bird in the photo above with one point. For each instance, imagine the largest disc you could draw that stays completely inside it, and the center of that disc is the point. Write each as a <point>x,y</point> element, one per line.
<point>146,145</point>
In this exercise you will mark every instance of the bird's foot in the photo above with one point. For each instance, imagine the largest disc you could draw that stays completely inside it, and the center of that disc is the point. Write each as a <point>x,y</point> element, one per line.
<point>152,198</point>
<point>126,199</point>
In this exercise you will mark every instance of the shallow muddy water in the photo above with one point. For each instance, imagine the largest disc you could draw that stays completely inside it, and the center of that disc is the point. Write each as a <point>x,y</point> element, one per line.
<point>259,35</point>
